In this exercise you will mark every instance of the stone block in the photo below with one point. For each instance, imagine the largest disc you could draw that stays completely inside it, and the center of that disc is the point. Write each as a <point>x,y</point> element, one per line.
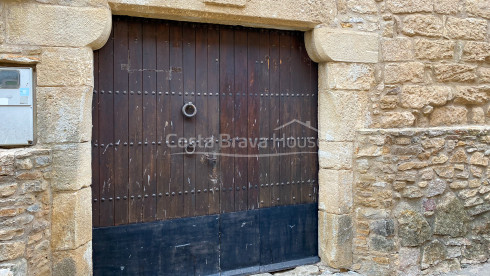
<point>450,217</point>
<point>467,28</point>
<point>396,119</point>
<point>381,244</point>
<point>404,72</point>
<point>449,115</point>
<point>325,44</point>
<point>418,96</point>
<point>484,74</point>
<point>335,191</point>
<point>455,72</point>
<point>458,184</point>
<point>432,254</point>
<point>476,252</point>
<point>413,229</point>
<point>476,51</point>
<point>335,239</point>
<point>436,186</point>
<point>12,250</point>
<point>24,164</point>
<point>477,115</point>
<point>17,267</point>
<point>73,262</point>
<point>65,67</point>
<point>409,6</point>
<point>350,76</point>
<point>458,156</point>
<point>425,25</point>
<point>397,49</point>
<point>336,155</point>
<point>341,113</point>
<point>478,8</point>
<point>362,6</point>
<point>383,227</point>
<point>388,102</point>
<point>448,6</point>
<point>72,167</point>
<point>7,166</point>
<point>434,49</point>
<point>73,27</point>
<point>64,114</point>
<point>409,261</point>
<point>471,95</point>
<point>71,219</point>
<point>7,189</point>
<point>479,159</point>
<point>412,192</point>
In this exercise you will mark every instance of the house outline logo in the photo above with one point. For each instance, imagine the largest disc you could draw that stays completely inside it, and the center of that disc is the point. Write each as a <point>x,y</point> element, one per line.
<point>305,124</point>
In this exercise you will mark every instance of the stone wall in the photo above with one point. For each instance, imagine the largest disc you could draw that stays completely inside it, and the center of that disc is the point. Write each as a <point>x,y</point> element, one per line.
<point>434,64</point>
<point>25,211</point>
<point>45,199</point>
<point>430,71</point>
<point>421,200</point>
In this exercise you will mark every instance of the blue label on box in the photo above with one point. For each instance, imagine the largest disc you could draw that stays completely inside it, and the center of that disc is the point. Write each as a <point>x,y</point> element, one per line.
<point>24,91</point>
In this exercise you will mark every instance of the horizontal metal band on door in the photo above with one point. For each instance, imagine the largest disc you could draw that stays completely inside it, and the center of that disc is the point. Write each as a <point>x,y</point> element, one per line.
<point>240,243</point>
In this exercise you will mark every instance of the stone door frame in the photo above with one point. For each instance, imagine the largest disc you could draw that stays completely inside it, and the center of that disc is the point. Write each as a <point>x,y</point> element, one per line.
<point>334,50</point>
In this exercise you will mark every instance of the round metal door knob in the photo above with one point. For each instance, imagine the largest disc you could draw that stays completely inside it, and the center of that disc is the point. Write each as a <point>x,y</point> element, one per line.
<point>189,110</point>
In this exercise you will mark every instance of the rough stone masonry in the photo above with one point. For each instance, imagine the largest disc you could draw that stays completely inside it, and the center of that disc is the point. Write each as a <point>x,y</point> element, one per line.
<point>421,200</point>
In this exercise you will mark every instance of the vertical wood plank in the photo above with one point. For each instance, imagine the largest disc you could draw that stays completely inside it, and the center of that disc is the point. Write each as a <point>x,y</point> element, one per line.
<point>189,70</point>
<point>203,168</point>
<point>95,145</point>
<point>240,103</point>
<point>307,132</point>
<point>296,85</point>
<point>121,121</point>
<point>285,133</point>
<point>227,110</point>
<point>253,118</point>
<point>106,134</point>
<point>135,122</point>
<point>274,117</point>
<point>265,123</point>
<point>163,120</point>
<point>213,45</point>
<point>149,121</point>
<point>176,122</point>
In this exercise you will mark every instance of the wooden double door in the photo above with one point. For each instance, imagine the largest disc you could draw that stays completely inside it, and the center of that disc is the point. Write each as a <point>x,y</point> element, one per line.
<point>207,125</point>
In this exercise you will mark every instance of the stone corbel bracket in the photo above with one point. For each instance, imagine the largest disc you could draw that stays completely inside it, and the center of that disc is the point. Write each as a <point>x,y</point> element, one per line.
<point>333,45</point>
<point>31,23</point>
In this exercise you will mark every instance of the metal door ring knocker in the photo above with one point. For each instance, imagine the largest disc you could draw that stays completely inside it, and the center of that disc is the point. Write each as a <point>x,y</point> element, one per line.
<point>189,110</point>
<point>190,148</point>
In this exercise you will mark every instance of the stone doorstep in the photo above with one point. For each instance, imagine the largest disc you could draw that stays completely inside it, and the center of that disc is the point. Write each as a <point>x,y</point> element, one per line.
<point>307,270</point>
<point>322,269</point>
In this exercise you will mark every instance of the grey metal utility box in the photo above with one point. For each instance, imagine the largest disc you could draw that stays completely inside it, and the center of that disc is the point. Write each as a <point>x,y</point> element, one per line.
<point>16,106</point>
